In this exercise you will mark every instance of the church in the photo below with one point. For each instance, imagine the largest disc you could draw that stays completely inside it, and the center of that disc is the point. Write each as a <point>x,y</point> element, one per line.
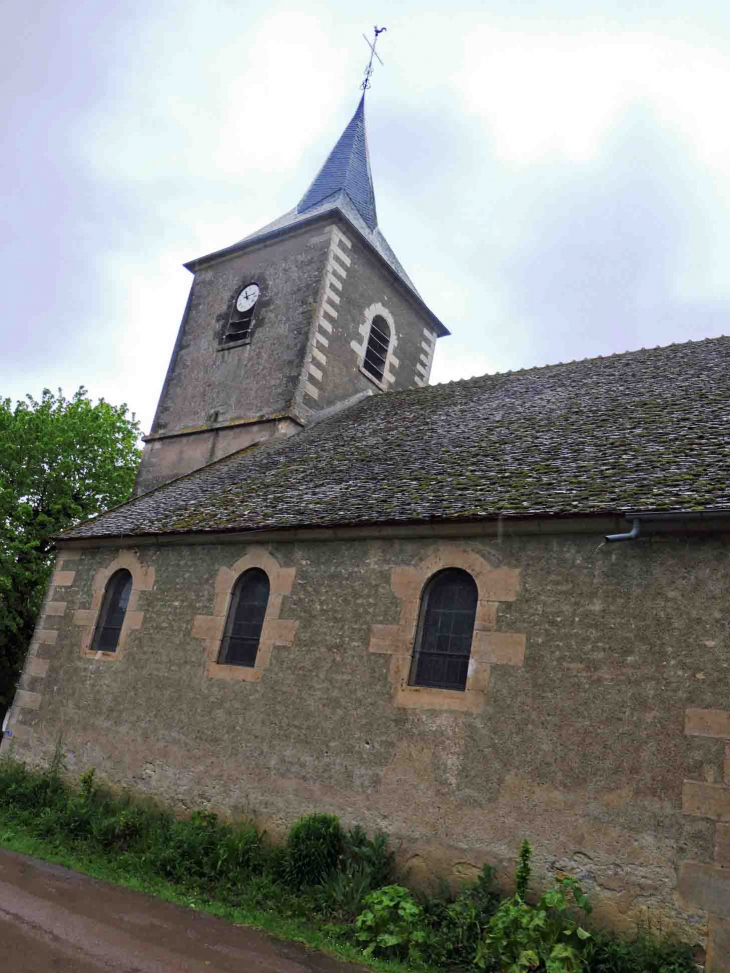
<point>463,614</point>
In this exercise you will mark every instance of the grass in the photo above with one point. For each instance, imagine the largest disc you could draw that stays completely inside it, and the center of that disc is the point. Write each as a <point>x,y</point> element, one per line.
<point>261,906</point>
<point>15,837</point>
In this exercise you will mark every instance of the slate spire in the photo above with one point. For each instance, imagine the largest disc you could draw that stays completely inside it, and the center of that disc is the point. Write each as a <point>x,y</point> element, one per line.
<point>347,170</point>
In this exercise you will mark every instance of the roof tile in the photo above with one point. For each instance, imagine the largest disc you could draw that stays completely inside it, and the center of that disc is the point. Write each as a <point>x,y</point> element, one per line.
<point>644,430</point>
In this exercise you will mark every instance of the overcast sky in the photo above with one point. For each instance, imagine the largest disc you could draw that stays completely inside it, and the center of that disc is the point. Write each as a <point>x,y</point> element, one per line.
<point>556,182</point>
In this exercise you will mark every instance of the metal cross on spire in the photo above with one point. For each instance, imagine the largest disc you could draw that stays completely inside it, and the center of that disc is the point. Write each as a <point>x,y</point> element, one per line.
<point>373,53</point>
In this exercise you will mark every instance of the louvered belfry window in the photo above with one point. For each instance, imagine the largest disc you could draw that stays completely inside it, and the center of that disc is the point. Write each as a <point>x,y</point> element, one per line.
<point>377,350</point>
<point>445,630</point>
<point>113,610</point>
<point>242,315</point>
<point>242,635</point>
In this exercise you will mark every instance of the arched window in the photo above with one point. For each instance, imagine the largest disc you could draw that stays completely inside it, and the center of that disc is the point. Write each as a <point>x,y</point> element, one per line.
<point>245,620</point>
<point>445,629</point>
<point>113,610</point>
<point>377,350</point>
<point>241,319</point>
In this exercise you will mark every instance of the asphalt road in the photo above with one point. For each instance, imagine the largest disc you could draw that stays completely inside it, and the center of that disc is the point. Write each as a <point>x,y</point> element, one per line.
<point>53,920</point>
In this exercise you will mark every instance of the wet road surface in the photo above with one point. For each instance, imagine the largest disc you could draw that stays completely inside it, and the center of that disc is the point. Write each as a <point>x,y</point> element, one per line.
<point>53,920</point>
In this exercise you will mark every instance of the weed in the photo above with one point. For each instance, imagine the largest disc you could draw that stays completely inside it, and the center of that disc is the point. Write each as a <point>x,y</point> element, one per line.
<point>88,787</point>
<point>365,864</point>
<point>457,922</point>
<point>545,936</point>
<point>643,954</point>
<point>522,875</point>
<point>369,855</point>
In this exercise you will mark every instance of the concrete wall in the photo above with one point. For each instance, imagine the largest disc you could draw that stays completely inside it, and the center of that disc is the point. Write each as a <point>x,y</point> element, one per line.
<point>594,723</point>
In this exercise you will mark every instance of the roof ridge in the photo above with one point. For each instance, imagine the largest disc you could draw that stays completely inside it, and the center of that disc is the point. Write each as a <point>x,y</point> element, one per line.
<point>541,368</point>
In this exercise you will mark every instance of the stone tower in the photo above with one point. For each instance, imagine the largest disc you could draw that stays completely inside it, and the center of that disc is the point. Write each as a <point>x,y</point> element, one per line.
<point>302,316</point>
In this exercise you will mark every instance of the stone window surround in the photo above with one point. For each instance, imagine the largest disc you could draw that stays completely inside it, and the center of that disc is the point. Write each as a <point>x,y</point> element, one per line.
<point>391,362</point>
<point>489,647</point>
<point>143,579</point>
<point>276,631</point>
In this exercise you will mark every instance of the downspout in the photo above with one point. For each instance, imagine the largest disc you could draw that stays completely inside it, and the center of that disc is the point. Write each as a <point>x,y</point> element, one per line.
<point>629,536</point>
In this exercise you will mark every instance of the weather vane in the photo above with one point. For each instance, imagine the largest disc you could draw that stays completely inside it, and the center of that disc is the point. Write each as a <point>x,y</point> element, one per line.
<point>373,53</point>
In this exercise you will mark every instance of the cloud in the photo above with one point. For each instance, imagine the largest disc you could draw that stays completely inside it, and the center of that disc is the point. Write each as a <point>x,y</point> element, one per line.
<point>555,181</point>
<point>557,95</point>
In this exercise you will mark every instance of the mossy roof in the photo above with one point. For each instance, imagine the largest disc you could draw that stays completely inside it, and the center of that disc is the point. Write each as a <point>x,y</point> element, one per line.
<point>640,431</point>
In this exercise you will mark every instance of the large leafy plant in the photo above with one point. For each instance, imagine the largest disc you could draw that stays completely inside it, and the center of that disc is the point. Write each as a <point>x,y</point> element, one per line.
<point>546,936</point>
<point>391,924</point>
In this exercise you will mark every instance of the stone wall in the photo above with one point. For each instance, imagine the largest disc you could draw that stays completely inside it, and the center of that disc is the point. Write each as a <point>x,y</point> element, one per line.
<point>594,723</point>
<point>213,392</point>
<point>321,286</point>
<point>355,289</point>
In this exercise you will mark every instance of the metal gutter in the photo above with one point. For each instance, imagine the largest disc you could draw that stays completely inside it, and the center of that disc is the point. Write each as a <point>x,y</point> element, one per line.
<point>662,516</point>
<point>630,535</point>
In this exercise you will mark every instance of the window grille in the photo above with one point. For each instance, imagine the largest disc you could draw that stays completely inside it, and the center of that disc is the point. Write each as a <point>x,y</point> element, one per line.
<point>445,630</point>
<point>240,643</point>
<point>113,610</point>
<point>377,349</point>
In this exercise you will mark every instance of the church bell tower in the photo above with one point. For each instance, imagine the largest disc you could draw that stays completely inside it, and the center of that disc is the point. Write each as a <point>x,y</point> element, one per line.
<point>300,318</point>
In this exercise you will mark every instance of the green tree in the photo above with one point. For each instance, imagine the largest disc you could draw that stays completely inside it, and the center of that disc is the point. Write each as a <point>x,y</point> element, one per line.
<point>61,462</point>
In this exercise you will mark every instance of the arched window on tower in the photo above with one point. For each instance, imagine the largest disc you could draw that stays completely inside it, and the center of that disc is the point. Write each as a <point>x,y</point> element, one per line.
<point>113,610</point>
<point>377,349</point>
<point>242,634</point>
<point>241,319</point>
<point>445,630</point>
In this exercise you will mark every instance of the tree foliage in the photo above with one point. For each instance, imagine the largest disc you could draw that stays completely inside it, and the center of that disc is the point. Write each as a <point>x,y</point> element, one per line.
<point>61,462</point>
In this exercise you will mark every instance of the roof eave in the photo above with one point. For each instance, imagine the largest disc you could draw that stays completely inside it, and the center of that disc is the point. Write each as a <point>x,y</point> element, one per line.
<point>307,221</point>
<point>598,522</point>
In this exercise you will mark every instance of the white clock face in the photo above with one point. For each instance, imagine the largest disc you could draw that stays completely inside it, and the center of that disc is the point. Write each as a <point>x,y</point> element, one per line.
<point>247,298</point>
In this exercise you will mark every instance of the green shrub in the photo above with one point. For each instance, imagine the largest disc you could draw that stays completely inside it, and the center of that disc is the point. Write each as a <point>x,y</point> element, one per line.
<point>391,924</point>
<point>313,849</point>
